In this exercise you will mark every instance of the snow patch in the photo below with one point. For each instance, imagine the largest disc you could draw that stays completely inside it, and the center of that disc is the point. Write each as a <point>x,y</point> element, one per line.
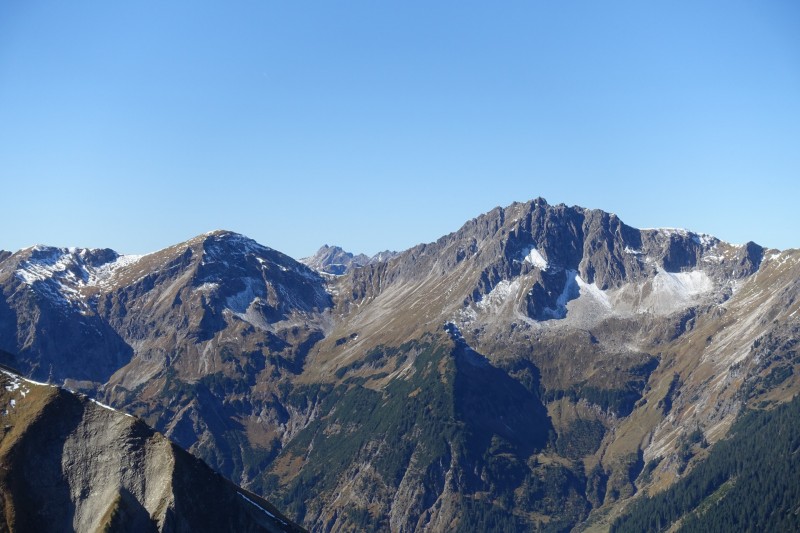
<point>207,287</point>
<point>17,381</point>
<point>254,504</point>
<point>238,303</point>
<point>669,231</point>
<point>531,255</point>
<point>35,382</point>
<point>69,264</point>
<point>239,242</point>
<point>104,406</point>
<point>567,291</point>
<point>466,315</point>
<point>703,239</point>
<point>101,275</point>
<point>61,273</point>
<point>245,304</point>
<point>587,294</point>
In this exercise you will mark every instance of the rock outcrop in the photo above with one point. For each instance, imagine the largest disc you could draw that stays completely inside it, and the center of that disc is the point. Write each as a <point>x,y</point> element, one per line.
<point>71,464</point>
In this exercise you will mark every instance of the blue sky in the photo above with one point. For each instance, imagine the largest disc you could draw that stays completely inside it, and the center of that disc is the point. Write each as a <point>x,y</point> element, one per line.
<point>374,125</point>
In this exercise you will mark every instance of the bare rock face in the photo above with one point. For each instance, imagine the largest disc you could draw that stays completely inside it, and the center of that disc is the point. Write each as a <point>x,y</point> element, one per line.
<point>70,464</point>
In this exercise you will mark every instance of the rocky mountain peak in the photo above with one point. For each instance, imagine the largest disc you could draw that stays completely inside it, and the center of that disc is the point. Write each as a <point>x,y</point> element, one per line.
<point>336,261</point>
<point>193,290</point>
<point>542,257</point>
<point>38,263</point>
<point>61,277</point>
<point>229,241</point>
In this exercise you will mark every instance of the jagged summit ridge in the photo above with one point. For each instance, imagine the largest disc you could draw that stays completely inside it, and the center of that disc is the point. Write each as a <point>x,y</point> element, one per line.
<point>336,261</point>
<point>70,267</point>
<point>532,259</point>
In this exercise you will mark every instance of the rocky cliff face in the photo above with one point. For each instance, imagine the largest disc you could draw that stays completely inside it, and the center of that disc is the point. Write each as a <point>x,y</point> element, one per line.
<point>518,373</point>
<point>71,464</point>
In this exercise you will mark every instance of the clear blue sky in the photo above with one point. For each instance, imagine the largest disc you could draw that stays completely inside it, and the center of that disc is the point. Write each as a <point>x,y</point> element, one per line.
<point>373,125</point>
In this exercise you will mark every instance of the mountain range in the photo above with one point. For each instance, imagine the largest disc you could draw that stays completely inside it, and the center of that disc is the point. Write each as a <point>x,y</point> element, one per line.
<point>542,368</point>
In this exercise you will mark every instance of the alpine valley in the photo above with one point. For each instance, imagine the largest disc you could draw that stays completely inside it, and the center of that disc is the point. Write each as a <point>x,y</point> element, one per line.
<point>543,368</point>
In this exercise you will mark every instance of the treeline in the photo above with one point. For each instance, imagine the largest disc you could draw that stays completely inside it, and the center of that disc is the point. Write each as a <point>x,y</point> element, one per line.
<point>750,482</point>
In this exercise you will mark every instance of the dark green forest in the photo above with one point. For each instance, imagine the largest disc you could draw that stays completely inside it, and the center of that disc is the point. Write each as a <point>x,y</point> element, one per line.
<point>750,482</point>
